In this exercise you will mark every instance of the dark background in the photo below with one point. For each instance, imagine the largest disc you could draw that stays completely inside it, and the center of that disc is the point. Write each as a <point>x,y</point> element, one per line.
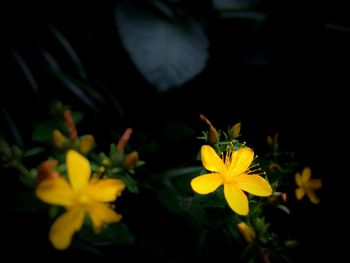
<point>298,93</point>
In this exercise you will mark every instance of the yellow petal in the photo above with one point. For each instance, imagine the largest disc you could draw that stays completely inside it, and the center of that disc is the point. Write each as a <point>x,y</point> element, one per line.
<point>306,174</point>
<point>101,214</point>
<point>298,179</point>
<point>236,199</point>
<point>105,190</point>
<point>78,169</point>
<point>299,193</point>
<point>65,226</point>
<point>211,161</point>
<point>254,184</point>
<point>312,196</point>
<point>241,160</point>
<point>314,184</point>
<point>207,183</point>
<point>55,191</point>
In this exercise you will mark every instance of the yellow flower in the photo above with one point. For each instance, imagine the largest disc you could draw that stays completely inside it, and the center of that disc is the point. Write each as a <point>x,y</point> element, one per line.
<point>307,186</point>
<point>232,172</point>
<point>80,196</point>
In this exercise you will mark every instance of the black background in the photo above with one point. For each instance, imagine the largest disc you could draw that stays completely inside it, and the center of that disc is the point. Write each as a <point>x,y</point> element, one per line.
<point>299,94</point>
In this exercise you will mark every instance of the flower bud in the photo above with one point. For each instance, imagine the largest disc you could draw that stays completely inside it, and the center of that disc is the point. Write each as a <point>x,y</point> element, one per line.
<point>59,140</point>
<point>246,231</point>
<point>46,170</point>
<point>130,161</point>
<point>86,144</point>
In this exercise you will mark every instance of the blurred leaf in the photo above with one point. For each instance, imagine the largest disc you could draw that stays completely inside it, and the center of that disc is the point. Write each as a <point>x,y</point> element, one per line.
<point>28,74</point>
<point>43,131</point>
<point>253,15</point>
<point>78,117</point>
<point>50,60</point>
<point>54,210</point>
<point>25,201</point>
<point>74,87</point>
<point>177,130</point>
<point>193,208</point>
<point>70,50</point>
<point>163,8</point>
<point>235,4</point>
<point>13,128</point>
<point>167,52</point>
<point>172,173</point>
<point>169,199</point>
<point>33,151</point>
<point>90,249</point>
<point>284,208</point>
<point>232,227</point>
<point>116,156</point>
<point>112,234</point>
<point>261,228</point>
<point>69,82</point>
<point>27,180</point>
<point>130,183</point>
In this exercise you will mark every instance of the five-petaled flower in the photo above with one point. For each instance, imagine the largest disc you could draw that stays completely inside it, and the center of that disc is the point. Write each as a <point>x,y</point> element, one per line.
<point>80,196</point>
<point>307,186</point>
<point>233,172</point>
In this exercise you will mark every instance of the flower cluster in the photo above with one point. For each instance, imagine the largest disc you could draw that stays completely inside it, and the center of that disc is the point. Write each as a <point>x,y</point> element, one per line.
<point>233,195</point>
<point>79,185</point>
<point>232,174</point>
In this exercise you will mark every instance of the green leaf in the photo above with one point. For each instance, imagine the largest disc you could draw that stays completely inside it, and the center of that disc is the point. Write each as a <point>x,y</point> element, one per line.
<point>215,199</point>
<point>43,131</point>
<point>283,208</point>
<point>261,228</point>
<point>33,151</point>
<point>130,183</point>
<point>167,52</point>
<point>116,156</point>
<point>112,234</point>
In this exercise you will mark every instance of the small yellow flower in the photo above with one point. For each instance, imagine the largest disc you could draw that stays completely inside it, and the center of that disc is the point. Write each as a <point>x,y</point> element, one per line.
<point>232,172</point>
<point>80,196</point>
<point>246,231</point>
<point>307,186</point>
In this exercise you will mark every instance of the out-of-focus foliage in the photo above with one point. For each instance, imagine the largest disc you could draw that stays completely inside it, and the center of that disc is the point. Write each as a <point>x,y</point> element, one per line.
<point>168,48</point>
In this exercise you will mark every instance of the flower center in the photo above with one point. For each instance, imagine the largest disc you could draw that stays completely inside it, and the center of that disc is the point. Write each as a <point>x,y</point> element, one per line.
<point>83,199</point>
